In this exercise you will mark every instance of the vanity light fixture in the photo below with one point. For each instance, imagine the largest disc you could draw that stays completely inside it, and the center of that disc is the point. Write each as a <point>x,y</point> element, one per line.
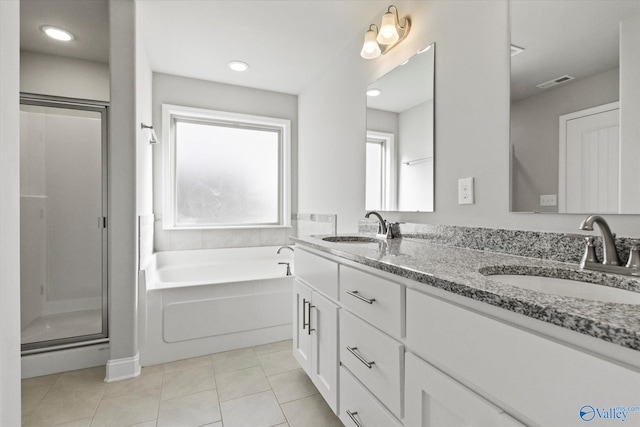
<point>57,33</point>
<point>391,33</point>
<point>238,65</point>
<point>149,133</point>
<point>373,92</point>
<point>370,48</point>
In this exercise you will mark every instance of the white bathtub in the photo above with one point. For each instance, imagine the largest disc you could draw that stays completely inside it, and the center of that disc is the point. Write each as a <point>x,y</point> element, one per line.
<point>198,302</point>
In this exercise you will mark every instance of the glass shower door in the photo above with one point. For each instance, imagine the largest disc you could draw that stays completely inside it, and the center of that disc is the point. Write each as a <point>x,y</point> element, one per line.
<point>63,226</point>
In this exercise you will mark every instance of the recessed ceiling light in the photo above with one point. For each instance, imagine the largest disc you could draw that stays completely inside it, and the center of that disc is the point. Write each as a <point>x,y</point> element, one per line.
<point>57,33</point>
<point>238,66</point>
<point>373,92</point>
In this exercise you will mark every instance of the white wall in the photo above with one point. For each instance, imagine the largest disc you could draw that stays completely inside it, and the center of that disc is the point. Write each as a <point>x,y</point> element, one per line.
<point>382,121</point>
<point>59,76</point>
<point>10,213</point>
<point>169,89</point>
<point>415,181</point>
<point>472,122</point>
<point>144,87</point>
<point>534,134</point>
<point>123,233</point>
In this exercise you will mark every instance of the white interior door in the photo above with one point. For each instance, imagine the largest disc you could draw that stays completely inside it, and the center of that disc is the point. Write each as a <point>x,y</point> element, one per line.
<point>590,160</point>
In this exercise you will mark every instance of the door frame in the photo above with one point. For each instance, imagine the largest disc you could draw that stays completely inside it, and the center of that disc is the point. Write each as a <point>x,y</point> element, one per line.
<point>562,158</point>
<point>102,108</point>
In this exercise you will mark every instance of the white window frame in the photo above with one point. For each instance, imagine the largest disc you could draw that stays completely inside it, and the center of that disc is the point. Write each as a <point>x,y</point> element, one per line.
<point>172,112</point>
<point>389,170</point>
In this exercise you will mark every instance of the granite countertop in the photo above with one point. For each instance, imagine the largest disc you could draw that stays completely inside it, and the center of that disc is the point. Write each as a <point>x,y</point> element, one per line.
<point>458,270</point>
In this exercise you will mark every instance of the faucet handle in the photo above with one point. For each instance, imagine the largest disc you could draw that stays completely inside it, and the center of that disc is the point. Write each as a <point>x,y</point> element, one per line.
<point>634,254</point>
<point>389,226</point>
<point>589,251</point>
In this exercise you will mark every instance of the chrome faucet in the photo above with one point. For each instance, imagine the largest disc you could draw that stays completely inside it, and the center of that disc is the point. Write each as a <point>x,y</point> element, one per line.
<point>611,262</point>
<point>384,228</point>
<point>284,247</point>
<point>610,254</point>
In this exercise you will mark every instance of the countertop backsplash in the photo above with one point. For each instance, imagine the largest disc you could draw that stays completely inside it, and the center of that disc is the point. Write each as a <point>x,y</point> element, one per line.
<point>533,244</point>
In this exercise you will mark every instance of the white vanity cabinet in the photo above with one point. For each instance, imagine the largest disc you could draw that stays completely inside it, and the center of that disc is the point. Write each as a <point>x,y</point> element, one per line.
<point>433,399</point>
<point>543,382</point>
<point>419,356</point>
<point>315,325</point>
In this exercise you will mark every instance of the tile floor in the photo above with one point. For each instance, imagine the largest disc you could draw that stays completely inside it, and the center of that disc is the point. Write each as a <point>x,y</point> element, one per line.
<point>252,387</point>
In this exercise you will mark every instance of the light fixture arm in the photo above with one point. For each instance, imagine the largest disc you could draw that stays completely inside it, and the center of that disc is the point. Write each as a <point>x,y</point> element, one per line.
<point>406,20</point>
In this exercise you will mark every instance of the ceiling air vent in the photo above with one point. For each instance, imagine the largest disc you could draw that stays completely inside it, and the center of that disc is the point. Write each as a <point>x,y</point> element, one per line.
<point>554,82</point>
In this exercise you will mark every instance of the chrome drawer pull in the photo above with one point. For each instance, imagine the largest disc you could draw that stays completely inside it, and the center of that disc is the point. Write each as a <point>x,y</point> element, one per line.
<point>352,350</point>
<point>352,415</point>
<point>304,313</point>
<point>309,330</point>
<point>361,298</point>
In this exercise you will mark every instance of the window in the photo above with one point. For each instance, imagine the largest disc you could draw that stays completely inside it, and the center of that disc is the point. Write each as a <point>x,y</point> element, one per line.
<point>225,169</point>
<point>380,175</point>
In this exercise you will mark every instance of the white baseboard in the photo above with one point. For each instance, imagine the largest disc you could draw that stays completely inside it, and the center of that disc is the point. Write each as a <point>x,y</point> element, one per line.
<point>123,369</point>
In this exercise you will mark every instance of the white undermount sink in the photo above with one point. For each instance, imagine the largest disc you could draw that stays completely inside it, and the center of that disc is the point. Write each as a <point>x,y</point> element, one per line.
<point>569,288</point>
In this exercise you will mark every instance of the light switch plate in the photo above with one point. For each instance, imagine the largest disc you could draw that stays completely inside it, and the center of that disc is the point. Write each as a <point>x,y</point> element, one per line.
<point>465,191</point>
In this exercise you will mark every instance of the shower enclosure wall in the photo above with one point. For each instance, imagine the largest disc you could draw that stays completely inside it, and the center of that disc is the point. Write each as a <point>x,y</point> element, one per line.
<point>63,236</point>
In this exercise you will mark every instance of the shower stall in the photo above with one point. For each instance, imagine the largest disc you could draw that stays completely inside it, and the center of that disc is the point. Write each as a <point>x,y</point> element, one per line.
<point>63,227</point>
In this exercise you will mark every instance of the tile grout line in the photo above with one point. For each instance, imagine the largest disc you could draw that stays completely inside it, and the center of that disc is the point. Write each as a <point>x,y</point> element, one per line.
<point>160,397</point>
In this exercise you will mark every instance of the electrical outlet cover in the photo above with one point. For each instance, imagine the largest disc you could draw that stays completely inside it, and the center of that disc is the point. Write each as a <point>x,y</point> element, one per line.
<point>465,191</point>
<point>548,200</point>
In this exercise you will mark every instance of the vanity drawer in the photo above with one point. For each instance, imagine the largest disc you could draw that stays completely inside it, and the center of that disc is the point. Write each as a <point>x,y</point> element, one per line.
<point>357,402</point>
<point>374,299</point>
<point>317,271</point>
<point>374,358</point>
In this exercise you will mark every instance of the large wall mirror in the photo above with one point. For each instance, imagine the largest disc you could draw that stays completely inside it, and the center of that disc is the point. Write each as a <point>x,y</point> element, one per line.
<point>575,103</point>
<point>399,145</point>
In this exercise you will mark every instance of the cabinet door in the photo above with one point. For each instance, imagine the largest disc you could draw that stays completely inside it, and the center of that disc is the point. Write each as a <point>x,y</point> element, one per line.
<point>324,348</point>
<point>434,399</point>
<point>301,334</point>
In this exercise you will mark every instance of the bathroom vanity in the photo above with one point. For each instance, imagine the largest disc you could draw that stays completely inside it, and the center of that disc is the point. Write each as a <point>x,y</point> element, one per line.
<point>405,332</point>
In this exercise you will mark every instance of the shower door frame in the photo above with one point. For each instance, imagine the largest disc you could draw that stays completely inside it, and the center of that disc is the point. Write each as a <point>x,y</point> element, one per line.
<point>103,109</point>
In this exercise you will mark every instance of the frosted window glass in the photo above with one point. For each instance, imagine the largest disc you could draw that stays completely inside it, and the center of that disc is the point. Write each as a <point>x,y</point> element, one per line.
<point>226,175</point>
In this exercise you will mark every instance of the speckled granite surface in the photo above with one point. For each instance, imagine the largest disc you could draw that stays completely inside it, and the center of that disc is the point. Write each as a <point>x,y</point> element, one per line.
<point>460,271</point>
<point>534,244</point>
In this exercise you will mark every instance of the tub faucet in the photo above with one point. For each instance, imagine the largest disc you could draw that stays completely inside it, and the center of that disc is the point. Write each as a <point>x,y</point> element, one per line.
<point>284,247</point>
<point>610,254</point>
<point>384,228</point>
<point>288,267</point>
